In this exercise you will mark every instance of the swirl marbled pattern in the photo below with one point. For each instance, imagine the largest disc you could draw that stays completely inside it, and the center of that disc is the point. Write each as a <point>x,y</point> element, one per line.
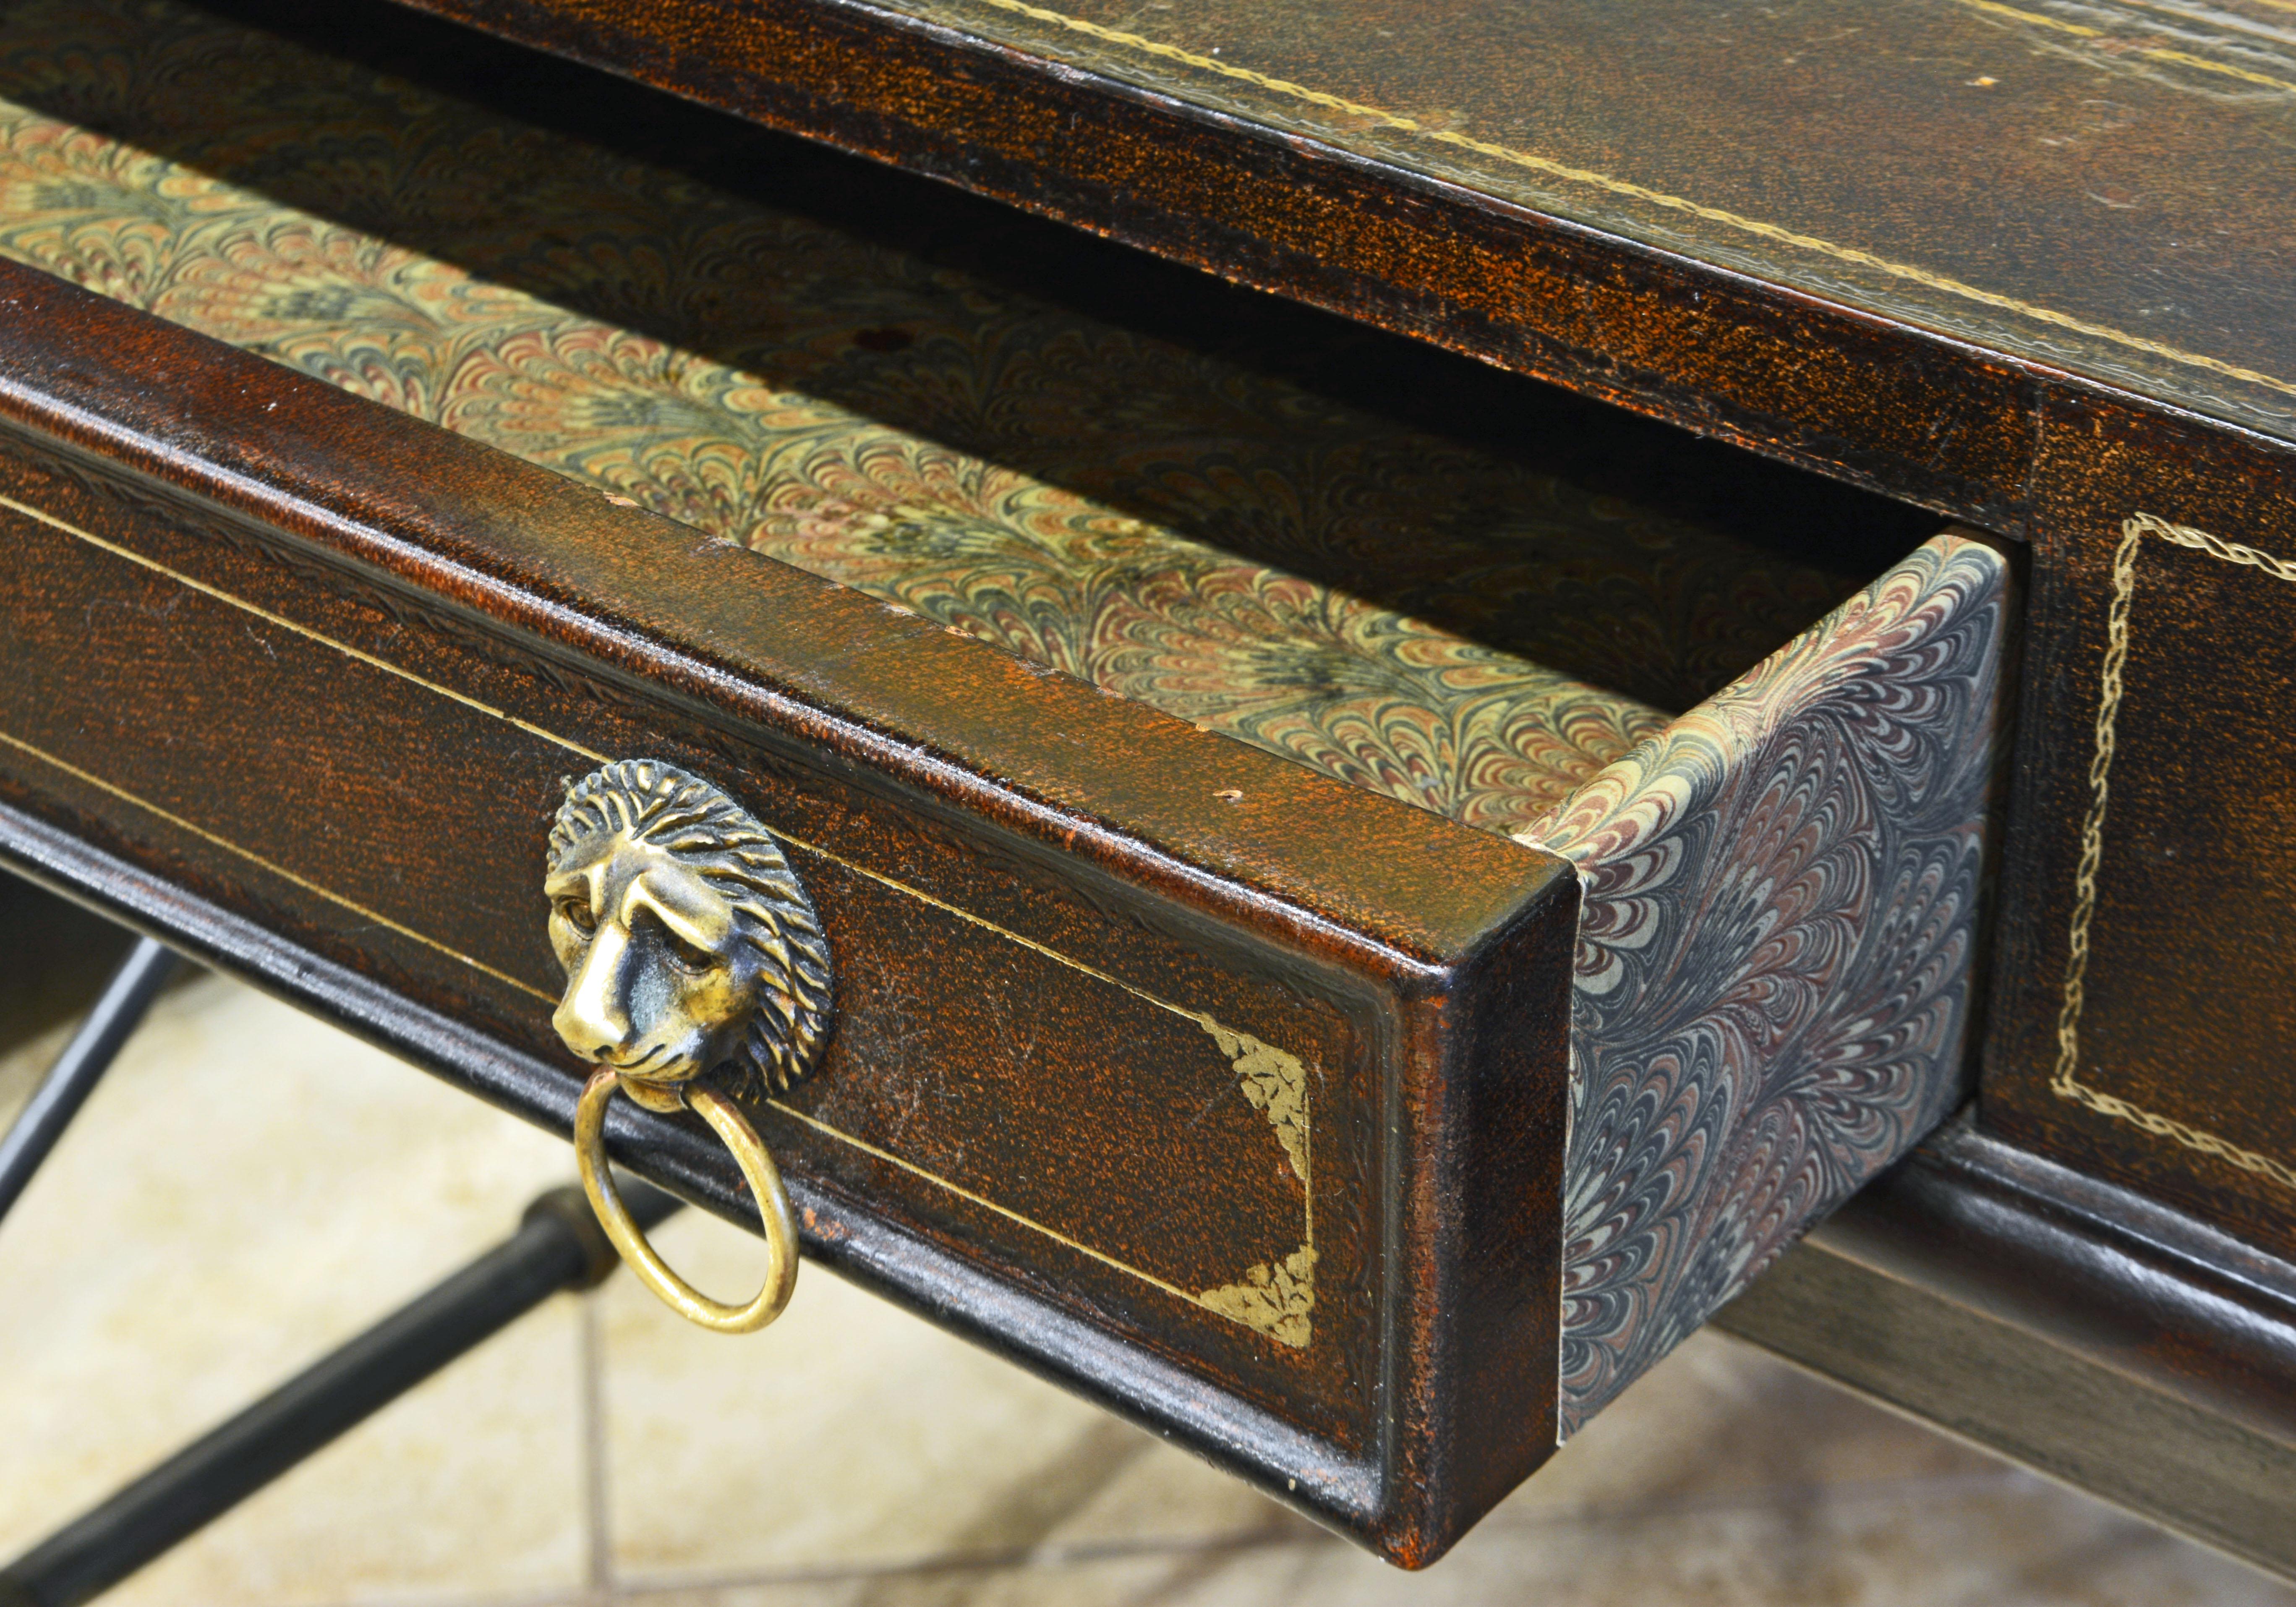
<point>1775,951</point>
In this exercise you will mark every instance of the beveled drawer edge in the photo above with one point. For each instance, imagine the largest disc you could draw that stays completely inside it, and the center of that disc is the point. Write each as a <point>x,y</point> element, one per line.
<point>494,549</point>
<point>1392,922</point>
<point>1275,1300</point>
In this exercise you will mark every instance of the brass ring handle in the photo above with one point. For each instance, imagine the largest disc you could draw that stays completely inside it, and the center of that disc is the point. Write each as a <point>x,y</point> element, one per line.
<point>765,1180</point>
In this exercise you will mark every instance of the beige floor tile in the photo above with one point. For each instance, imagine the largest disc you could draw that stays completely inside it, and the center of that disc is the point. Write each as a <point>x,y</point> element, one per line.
<point>247,1187</point>
<point>849,1434</point>
<point>22,1067</point>
<point>2004,1541</point>
<point>854,1438</point>
<point>1717,1417</point>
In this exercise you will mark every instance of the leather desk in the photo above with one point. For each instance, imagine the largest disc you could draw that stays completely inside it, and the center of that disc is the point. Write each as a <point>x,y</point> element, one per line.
<point>1372,891</point>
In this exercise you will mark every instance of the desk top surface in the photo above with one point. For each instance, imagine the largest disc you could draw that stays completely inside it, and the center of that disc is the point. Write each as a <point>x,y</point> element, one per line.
<point>2108,188</point>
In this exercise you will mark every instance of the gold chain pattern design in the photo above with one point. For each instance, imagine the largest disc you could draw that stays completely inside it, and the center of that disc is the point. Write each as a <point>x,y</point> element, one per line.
<point>2063,1083</point>
<point>1509,154</point>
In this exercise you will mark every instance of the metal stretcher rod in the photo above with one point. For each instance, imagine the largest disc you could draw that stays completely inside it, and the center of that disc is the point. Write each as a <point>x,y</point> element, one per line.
<point>83,1063</point>
<point>559,1245</point>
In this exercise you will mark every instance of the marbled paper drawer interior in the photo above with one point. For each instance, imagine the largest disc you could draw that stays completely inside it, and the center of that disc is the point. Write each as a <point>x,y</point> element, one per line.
<point>1670,663</point>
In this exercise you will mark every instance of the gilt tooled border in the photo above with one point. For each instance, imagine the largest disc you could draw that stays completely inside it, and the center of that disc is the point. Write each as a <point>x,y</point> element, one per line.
<point>1626,189</point>
<point>2062,1081</point>
<point>1275,1298</point>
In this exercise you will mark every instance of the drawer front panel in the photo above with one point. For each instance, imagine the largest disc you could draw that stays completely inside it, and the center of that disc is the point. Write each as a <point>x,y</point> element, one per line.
<point>2148,995</point>
<point>1227,1091</point>
<point>1152,1153</point>
<point>1310,1151</point>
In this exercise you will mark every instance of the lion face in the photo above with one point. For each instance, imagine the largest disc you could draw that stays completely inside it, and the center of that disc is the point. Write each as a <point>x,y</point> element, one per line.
<point>658,984</point>
<point>688,941</point>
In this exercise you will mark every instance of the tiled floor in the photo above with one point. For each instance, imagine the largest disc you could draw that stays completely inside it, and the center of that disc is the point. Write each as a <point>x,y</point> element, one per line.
<point>249,1187</point>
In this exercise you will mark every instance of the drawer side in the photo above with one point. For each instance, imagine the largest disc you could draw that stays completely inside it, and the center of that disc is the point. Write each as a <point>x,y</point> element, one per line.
<point>1781,908</point>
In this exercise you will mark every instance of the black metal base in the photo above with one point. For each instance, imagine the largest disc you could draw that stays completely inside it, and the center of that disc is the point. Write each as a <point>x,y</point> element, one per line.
<point>83,1063</point>
<point>559,1245</point>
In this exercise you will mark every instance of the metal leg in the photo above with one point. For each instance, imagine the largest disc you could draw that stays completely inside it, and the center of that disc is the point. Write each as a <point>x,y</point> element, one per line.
<point>559,1245</point>
<point>84,1060</point>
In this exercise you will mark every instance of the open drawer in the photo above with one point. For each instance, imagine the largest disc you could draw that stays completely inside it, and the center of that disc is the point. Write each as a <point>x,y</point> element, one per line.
<point>1366,897</point>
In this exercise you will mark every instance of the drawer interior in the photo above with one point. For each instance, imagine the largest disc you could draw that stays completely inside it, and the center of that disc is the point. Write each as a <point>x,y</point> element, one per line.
<point>1451,586</point>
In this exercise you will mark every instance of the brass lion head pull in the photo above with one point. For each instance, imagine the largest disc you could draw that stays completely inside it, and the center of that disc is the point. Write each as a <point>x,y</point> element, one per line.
<point>692,952</point>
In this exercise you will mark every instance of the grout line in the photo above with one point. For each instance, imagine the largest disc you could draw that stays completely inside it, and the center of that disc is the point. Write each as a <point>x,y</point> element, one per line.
<point>1796,1497</point>
<point>983,1562</point>
<point>597,1525</point>
<point>597,1590</point>
<point>575,1596</point>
